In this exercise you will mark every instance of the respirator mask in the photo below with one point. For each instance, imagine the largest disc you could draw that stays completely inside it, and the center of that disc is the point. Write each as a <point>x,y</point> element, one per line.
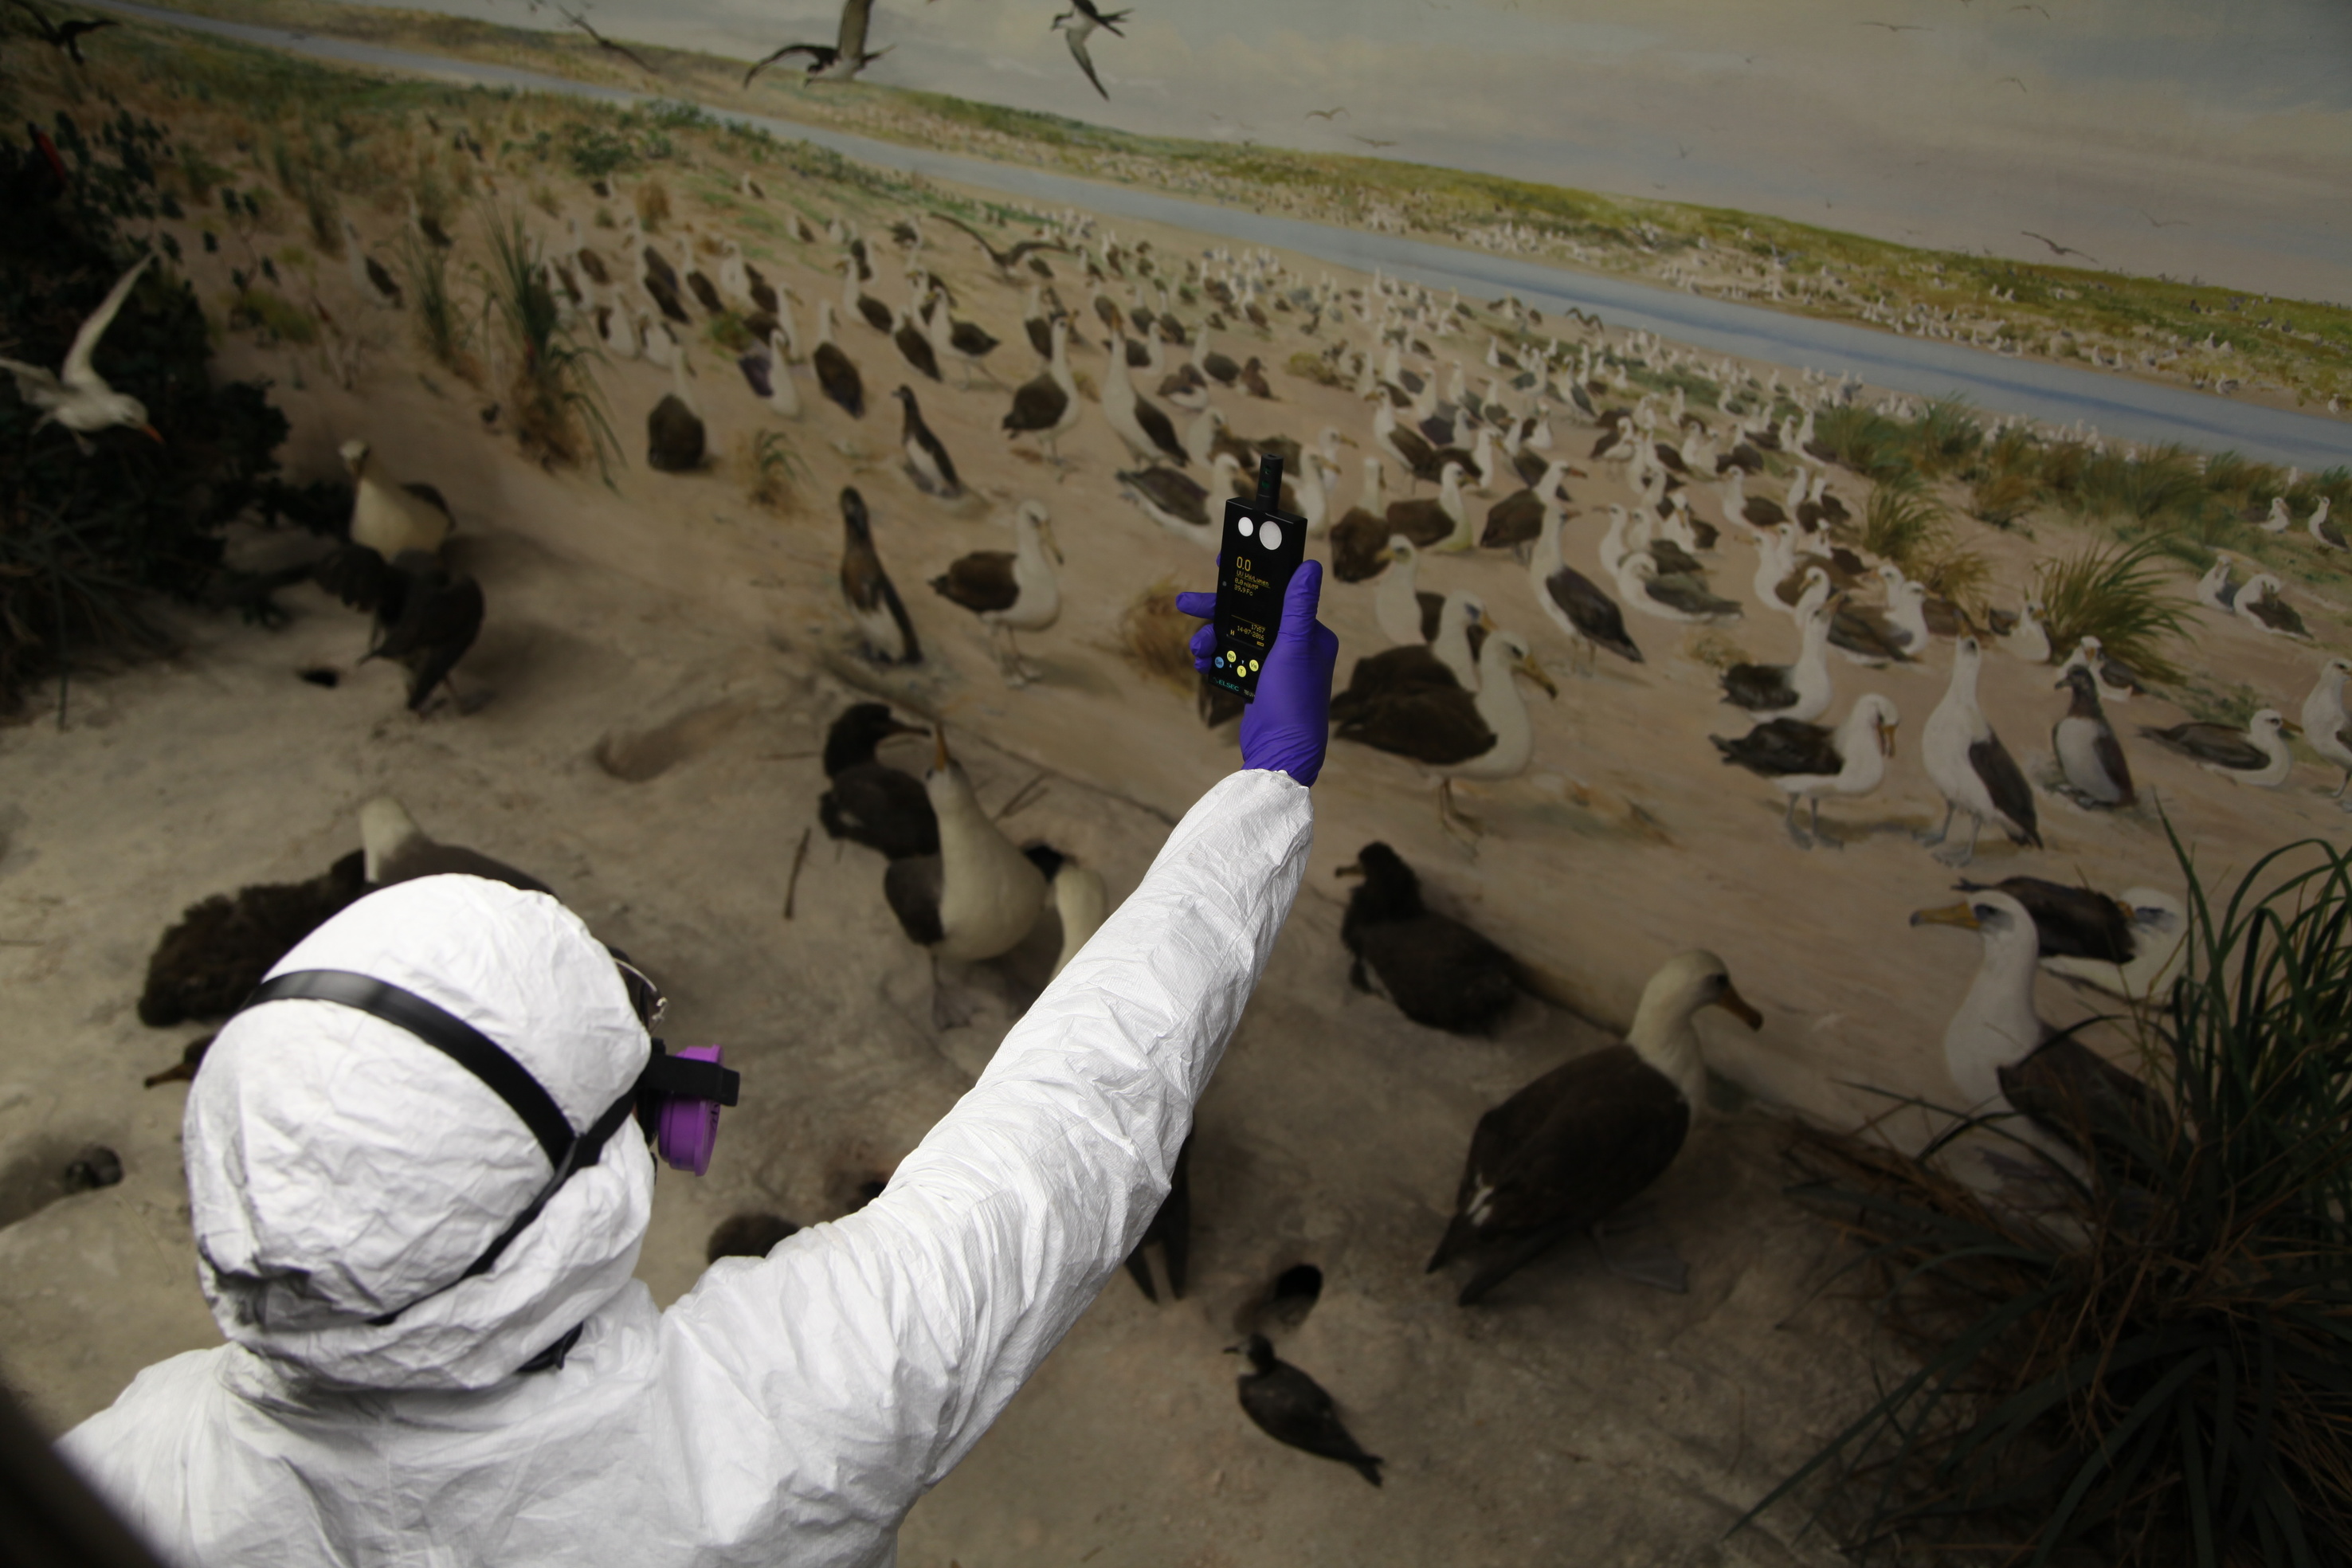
<point>675,1101</point>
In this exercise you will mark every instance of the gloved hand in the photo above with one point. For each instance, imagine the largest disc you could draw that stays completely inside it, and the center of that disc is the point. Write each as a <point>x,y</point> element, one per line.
<point>1288,725</point>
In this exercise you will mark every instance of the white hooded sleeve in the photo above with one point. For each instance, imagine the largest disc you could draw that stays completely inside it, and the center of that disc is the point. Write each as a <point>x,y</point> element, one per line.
<point>889,1341</point>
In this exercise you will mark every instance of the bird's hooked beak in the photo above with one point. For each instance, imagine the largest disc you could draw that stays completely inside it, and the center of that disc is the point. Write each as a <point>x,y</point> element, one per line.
<point>1739,1006</point>
<point>1885,736</point>
<point>940,761</point>
<point>1383,556</point>
<point>896,727</point>
<point>2289,727</point>
<point>1950,915</point>
<point>1535,672</point>
<point>152,434</point>
<point>1349,441</point>
<point>1353,870</point>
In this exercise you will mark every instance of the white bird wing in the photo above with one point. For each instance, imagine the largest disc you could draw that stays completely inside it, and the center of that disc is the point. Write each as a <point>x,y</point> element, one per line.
<point>855,15</point>
<point>1077,38</point>
<point>33,382</point>
<point>78,373</point>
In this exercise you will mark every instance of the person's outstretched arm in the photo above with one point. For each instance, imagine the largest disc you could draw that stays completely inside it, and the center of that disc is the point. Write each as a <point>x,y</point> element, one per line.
<point>890,1341</point>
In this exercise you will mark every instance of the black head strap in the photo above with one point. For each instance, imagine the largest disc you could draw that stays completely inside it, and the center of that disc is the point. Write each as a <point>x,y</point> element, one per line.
<point>484,1057</point>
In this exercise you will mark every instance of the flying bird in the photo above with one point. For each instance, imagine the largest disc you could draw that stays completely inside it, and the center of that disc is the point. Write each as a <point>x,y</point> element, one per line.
<point>1372,142</point>
<point>603,42</point>
<point>1077,26</point>
<point>842,60</point>
<point>2058,249</point>
<point>2154,222</point>
<point>1900,26</point>
<point>2021,85</point>
<point>1324,113</point>
<point>77,396</point>
<point>1005,261</point>
<point>66,35</point>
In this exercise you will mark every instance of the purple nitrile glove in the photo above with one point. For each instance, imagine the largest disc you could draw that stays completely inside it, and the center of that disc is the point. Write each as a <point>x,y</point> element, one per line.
<point>1288,725</point>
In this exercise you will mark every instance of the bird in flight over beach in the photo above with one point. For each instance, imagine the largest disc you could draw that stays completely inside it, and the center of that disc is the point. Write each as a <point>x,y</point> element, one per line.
<point>2155,222</point>
<point>603,42</point>
<point>2058,249</point>
<point>1324,113</point>
<point>1077,24</point>
<point>2021,85</point>
<point>838,61</point>
<point>1901,26</point>
<point>1372,142</point>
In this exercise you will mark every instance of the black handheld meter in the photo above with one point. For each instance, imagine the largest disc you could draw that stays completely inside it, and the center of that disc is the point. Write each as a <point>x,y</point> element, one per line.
<point>1260,549</point>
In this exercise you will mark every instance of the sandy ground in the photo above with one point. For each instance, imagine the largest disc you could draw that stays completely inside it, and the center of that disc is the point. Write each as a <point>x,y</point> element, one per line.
<point>668,622</point>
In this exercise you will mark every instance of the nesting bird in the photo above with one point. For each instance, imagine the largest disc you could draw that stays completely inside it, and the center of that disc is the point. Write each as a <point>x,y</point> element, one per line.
<point>2127,945</point>
<point>2326,726</point>
<point>428,617</point>
<point>1800,691</point>
<point>1437,971</point>
<point>206,965</point>
<point>1561,1155</point>
<point>2257,754</point>
<point>2084,744</point>
<point>979,896</point>
<point>866,801</point>
<point>391,520</point>
<point>1453,732</point>
<point>874,603</point>
<point>2262,602</point>
<point>2003,1057</point>
<point>675,438</point>
<point>1010,592</point>
<point>1047,405</point>
<point>836,375</point>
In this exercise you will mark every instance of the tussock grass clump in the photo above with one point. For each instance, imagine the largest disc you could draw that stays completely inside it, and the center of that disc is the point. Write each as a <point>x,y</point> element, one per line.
<point>440,325</point>
<point>2006,482</point>
<point>559,412</point>
<point>2117,593</point>
<point>2159,484</point>
<point>300,176</point>
<point>2153,1368</point>
<point>1944,438</point>
<point>1903,522</point>
<point>653,204</point>
<point>1158,639</point>
<point>263,309</point>
<point>777,470</point>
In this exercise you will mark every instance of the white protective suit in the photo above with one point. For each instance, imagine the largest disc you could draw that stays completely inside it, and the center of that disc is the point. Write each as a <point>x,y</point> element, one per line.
<point>787,1409</point>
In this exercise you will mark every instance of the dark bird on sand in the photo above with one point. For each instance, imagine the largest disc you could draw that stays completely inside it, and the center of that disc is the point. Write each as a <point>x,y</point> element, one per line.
<point>2085,746</point>
<point>1170,1229</point>
<point>868,801</point>
<point>1436,969</point>
<point>914,345</point>
<point>934,472</point>
<point>873,603</point>
<point>836,375</point>
<point>2069,922</point>
<point>1291,1407</point>
<point>208,963</point>
<point>426,620</point>
<point>1561,1155</point>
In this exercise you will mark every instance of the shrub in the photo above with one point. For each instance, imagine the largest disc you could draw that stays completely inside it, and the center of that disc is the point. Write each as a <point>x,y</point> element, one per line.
<point>2152,1368</point>
<point>2115,593</point>
<point>1903,522</point>
<point>84,536</point>
<point>559,412</point>
<point>653,204</point>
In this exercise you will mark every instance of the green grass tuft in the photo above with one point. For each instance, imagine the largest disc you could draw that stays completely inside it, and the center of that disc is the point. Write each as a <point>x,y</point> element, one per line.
<point>2117,593</point>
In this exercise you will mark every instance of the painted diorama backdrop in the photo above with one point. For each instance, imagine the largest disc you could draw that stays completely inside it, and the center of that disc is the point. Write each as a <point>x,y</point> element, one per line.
<point>1728,429</point>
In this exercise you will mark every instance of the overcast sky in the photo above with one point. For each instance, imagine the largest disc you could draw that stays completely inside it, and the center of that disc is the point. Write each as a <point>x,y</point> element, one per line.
<point>2207,138</point>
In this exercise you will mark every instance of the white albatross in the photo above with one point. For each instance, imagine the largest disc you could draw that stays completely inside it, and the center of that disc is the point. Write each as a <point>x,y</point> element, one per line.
<point>1968,764</point>
<point>1805,762</point>
<point>77,396</point>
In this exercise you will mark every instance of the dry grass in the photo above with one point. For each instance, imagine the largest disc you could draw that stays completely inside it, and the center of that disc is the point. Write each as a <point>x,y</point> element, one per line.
<point>1156,638</point>
<point>653,204</point>
<point>774,469</point>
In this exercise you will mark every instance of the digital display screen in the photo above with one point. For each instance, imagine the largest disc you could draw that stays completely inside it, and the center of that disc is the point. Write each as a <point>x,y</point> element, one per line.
<point>1259,551</point>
